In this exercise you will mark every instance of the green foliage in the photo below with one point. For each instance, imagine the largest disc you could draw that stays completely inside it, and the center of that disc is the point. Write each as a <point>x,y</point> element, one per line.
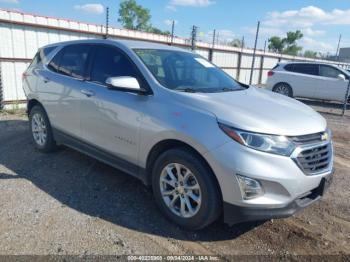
<point>133,16</point>
<point>236,43</point>
<point>287,45</point>
<point>136,17</point>
<point>310,54</point>
<point>158,31</point>
<point>276,44</point>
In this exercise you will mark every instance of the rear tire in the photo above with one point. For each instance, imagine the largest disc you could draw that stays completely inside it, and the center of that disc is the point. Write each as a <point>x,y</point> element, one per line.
<point>283,89</point>
<point>185,189</point>
<point>41,130</point>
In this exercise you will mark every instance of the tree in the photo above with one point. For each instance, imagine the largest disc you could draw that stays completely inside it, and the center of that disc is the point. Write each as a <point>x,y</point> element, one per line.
<point>236,43</point>
<point>133,16</point>
<point>287,45</point>
<point>291,46</point>
<point>310,54</point>
<point>276,44</point>
<point>136,17</point>
<point>158,31</point>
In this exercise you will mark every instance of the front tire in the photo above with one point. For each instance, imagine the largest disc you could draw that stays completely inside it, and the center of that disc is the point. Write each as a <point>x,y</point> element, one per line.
<point>283,89</point>
<point>185,189</point>
<point>41,130</point>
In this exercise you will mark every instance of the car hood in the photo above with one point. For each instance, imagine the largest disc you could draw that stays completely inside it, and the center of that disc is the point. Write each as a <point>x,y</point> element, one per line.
<point>258,110</point>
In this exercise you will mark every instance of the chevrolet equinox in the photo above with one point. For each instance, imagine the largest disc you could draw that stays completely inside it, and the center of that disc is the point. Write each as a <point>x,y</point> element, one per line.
<point>206,144</point>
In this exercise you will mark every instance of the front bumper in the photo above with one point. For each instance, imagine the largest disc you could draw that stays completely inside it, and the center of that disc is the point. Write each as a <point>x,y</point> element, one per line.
<point>234,214</point>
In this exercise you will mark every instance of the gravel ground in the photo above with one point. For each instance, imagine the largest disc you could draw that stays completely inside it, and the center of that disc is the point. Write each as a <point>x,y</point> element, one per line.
<point>68,203</point>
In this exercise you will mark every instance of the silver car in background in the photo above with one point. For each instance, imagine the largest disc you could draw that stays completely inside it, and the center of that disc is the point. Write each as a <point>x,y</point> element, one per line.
<point>206,143</point>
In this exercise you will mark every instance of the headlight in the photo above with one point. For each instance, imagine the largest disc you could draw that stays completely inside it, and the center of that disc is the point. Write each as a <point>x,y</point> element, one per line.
<point>274,144</point>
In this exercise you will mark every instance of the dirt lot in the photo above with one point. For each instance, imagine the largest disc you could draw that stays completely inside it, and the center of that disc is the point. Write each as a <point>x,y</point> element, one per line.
<point>68,203</point>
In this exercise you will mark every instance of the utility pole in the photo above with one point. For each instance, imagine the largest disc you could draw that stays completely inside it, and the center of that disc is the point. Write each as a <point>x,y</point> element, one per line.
<point>172,32</point>
<point>337,53</point>
<point>107,23</point>
<point>214,32</point>
<point>253,62</point>
<point>265,46</point>
<point>194,37</point>
<point>346,99</point>
<point>242,44</point>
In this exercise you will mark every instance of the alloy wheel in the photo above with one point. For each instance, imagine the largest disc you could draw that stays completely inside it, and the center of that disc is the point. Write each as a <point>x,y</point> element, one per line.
<point>282,89</point>
<point>180,190</point>
<point>39,129</point>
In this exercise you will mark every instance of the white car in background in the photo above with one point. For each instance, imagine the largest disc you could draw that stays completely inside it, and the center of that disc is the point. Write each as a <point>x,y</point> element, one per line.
<point>309,80</point>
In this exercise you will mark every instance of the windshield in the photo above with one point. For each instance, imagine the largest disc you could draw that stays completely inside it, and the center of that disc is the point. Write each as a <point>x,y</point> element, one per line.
<point>186,72</point>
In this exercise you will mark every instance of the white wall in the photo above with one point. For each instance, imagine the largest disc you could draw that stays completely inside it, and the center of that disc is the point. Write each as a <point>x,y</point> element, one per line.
<point>22,34</point>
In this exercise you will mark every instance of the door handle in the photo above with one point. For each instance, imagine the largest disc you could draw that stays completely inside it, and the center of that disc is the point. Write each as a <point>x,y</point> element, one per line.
<point>88,93</point>
<point>46,80</point>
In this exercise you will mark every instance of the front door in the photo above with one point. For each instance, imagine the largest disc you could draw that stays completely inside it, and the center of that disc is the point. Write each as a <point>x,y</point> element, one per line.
<point>110,118</point>
<point>330,87</point>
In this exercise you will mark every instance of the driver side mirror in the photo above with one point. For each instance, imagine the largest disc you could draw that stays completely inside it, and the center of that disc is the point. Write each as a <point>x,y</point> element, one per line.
<point>125,83</point>
<point>341,77</point>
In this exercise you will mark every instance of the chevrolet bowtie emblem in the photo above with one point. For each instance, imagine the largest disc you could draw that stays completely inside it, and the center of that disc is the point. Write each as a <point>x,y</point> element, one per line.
<point>324,136</point>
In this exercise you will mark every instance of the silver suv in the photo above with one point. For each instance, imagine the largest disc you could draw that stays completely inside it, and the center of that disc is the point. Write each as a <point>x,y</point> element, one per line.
<point>206,143</point>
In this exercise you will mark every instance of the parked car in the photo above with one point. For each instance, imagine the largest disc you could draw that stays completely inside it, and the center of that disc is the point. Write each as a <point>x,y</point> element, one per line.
<point>310,80</point>
<point>206,143</point>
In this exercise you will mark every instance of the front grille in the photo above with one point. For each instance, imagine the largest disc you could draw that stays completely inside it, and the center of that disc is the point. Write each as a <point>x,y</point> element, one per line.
<point>306,139</point>
<point>316,159</point>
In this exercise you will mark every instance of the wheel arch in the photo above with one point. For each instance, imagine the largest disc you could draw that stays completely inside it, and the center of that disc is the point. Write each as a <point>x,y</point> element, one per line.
<point>285,83</point>
<point>31,103</point>
<point>163,146</point>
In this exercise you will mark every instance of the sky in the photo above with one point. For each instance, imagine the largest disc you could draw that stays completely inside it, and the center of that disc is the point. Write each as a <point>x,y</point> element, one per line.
<point>320,21</point>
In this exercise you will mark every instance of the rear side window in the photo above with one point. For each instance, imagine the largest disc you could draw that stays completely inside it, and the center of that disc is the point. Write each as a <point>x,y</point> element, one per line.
<point>110,62</point>
<point>308,69</point>
<point>71,61</point>
<point>289,67</point>
<point>55,62</point>
<point>36,60</point>
<point>46,51</point>
<point>328,71</point>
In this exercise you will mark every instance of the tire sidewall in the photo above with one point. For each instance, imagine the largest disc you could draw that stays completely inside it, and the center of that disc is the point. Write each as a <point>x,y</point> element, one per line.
<point>290,92</point>
<point>209,194</point>
<point>47,146</point>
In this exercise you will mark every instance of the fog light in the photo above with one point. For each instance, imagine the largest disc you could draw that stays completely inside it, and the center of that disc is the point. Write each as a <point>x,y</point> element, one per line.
<point>250,188</point>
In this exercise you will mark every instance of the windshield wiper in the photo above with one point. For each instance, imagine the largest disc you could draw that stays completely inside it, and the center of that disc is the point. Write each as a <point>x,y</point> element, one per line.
<point>186,89</point>
<point>227,89</point>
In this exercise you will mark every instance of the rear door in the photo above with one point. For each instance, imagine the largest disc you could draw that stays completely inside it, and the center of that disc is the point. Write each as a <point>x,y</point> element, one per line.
<point>60,87</point>
<point>302,79</point>
<point>329,86</point>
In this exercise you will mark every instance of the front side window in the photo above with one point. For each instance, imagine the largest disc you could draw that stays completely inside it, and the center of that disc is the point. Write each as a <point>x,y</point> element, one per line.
<point>110,62</point>
<point>328,71</point>
<point>184,71</point>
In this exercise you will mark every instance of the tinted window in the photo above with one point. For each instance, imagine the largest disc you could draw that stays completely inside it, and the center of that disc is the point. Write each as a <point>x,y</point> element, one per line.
<point>289,67</point>
<point>48,50</point>
<point>73,60</point>
<point>185,71</point>
<point>55,62</point>
<point>328,71</point>
<point>36,60</point>
<point>110,62</point>
<point>308,69</point>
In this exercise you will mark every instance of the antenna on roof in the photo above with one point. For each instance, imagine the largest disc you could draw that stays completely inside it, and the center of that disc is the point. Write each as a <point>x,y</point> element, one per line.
<point>107,23</point>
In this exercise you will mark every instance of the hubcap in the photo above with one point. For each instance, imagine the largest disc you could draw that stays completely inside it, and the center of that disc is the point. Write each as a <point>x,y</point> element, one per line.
<point>180,190</point>
<point>282,89</point>
<point>39,130</point>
